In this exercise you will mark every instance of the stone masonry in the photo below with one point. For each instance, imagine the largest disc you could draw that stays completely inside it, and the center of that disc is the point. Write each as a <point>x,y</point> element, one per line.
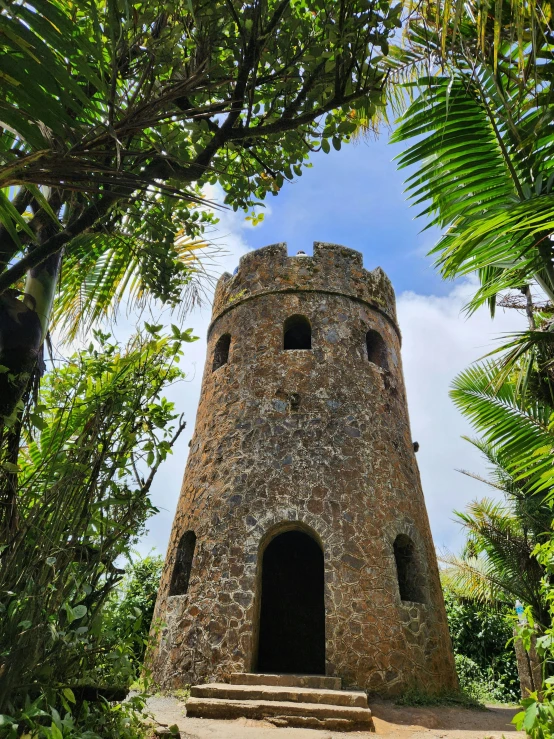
<point>316,441</point>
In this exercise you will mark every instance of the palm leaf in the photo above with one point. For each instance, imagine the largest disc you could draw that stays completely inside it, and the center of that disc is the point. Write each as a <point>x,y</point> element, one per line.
<point>473,578</point>
<point>497,564</point>
<point>480,135</point>
<point>103,272</point>
<point>516,423</point>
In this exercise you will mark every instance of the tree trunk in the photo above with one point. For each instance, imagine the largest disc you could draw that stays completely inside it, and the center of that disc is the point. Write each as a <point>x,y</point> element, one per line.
<point>24,319</point>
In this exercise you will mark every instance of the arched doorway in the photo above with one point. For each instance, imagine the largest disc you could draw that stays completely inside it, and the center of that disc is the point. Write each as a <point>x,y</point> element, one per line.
<point>292,613</point>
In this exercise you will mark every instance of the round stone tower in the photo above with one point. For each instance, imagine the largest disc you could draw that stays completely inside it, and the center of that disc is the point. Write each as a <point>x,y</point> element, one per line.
<point>301,542</point>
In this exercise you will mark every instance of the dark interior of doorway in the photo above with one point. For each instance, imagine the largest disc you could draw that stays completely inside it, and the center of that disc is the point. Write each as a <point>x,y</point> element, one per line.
<point>292,615</point>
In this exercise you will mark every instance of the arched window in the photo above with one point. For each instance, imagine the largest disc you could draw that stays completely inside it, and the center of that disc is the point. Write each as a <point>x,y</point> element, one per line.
<point>183,564</point>
<point>407,569</point>
<point>221,351</point>
<point>376,349</point>
<point>297,333</point>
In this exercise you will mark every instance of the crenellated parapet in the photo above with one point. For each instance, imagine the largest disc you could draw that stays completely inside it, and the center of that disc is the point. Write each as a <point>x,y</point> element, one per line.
<point>333,269</point>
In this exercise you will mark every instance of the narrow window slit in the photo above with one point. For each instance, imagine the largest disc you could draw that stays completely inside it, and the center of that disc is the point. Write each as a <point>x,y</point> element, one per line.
<point>407,570</point>
<point>376,349</point>
<point>183,564</point>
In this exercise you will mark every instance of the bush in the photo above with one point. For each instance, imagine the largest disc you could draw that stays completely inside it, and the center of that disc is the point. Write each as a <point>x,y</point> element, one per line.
<point>127,615</point>
<point>98,720</point>
<point>483,650</point>
<point>86,462</point>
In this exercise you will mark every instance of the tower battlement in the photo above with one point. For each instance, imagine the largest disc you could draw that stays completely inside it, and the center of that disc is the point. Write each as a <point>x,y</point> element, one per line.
<point>333,269</point>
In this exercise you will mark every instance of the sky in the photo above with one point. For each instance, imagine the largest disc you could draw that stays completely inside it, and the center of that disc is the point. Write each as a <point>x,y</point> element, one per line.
<point>355,197</point>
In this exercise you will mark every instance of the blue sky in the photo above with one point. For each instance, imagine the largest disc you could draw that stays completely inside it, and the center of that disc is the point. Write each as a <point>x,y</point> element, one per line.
<point>355,197</point>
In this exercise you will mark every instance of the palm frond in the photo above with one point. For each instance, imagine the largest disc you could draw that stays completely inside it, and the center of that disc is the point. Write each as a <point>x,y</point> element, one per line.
<point>518,426</point>
<point>473,578</point>
<point>102,272</point>
<point>497,563</point>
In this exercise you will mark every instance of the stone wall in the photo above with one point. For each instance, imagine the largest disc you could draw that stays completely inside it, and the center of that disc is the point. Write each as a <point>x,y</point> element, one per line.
<point>315,440</point>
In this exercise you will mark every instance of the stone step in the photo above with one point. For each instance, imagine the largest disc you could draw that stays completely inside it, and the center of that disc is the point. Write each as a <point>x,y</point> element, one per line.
<point>353,698</point>
<point>288,681</point>
<point>284,713</point>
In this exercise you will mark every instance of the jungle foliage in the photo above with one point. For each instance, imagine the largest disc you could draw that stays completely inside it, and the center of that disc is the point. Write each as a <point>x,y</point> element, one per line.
<point>87,457</point>
<point>482,638</point>
<point>128,612</point>
<point>477,135</point>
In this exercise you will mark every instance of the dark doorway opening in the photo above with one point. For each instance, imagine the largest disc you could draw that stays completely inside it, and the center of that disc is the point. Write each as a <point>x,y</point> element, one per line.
<point>292,615</point>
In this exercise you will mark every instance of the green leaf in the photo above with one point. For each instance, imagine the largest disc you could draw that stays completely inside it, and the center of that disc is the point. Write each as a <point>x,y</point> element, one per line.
<point>69,695</point>
<point>530,717</point>
<point>11,219</point>
<point>10,467</point>
<point>55,732</point>
<point>43,202</point>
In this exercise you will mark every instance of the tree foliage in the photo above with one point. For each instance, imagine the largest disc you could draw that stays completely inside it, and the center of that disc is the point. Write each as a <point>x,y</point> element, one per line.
<point>132,106</point>
<point>497,565</point>
<point>127,614</point>
<point>479,130</point>
<point>478,133</point>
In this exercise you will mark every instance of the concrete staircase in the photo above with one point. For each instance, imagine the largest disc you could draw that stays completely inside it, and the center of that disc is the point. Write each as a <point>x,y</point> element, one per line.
<point>308,701</point>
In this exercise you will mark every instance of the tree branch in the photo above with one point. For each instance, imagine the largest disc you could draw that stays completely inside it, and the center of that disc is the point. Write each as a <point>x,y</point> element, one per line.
<point>289,124</point>
<point>146,486</point>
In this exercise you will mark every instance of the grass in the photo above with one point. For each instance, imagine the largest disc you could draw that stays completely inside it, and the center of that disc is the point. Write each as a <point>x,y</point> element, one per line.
<point>182,694</point>
<point>459,700</point>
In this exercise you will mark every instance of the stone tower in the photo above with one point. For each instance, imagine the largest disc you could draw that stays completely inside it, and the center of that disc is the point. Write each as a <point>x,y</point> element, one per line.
<point>301,542</point>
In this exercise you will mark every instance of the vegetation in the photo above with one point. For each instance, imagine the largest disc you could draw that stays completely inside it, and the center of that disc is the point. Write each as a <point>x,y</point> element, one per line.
<point>127,614</point>
<point>115,113</point>
<point>482,637</point>
<point>458,699</point>
<point>88,456</point>
<point>483,149</point>
<point>478,132</point>
<point>498,565</point>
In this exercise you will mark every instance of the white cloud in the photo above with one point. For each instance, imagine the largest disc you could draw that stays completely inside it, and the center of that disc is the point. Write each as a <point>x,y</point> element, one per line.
<point>438,343</point>
<point>185,395</point>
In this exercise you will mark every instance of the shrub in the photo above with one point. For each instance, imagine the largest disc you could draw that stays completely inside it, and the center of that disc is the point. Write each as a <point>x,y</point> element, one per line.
<point>483,650</point>
<point>85,466</point>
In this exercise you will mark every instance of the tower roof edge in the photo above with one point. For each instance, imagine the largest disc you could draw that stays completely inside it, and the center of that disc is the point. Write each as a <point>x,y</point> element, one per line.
<point>333,268</point>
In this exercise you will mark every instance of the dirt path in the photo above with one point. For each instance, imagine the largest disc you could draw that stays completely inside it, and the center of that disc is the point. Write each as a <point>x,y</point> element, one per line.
<point>394,722</point>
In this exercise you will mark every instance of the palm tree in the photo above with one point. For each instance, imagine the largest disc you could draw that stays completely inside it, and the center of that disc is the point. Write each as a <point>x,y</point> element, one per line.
<point>479,133</point>
<point>498,562</point>
<point>497,565</point>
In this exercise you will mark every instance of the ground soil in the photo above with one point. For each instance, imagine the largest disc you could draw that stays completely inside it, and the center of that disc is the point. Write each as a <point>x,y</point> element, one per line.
<point>394,722</point>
